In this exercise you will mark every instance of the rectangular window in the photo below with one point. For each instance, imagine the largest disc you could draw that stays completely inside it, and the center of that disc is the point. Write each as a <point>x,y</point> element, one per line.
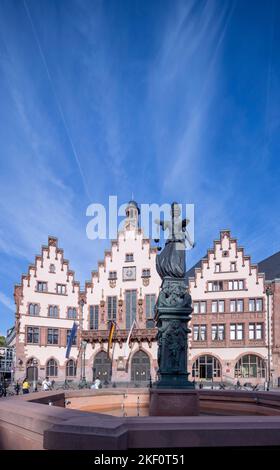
<point>259,331</point>
<point>203,307</point>
<point>195,332</point>
<point>256,331</point>
<point>218,332</point>
<point>93,317</point>
<point>146,273</point>
<point>61,288</point>
<point>42,286</point>
<point>150,303</point>
<point>214,329</point>
<point>130,307</point>
<point>233,266</point>
<point>112,275</point>
<point>74,339</point>
<point>203,332</point>
<point>217,268</point>
<point>251,305</point>
<point>233,306</point>
<point>240,305</point>
<point>214,306</point>
<point>112,308</point>
<point>196,307</point>
<point>217,286</point>
<point>72,313</point>
<point>259,305</point>
<point>52,336</point>
<point>32,335</point>
<point>199,332</point>
<point>240,331</point>
<point>214,286</point>
<point>129,257</point>
<point>236,285</point>
<point>221,306</point>
<point>236,331</point>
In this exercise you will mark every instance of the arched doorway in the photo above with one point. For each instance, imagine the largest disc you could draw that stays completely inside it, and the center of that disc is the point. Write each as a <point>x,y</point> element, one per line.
<point>250,366</point>
<point>206,368</point>
<point>32,370</point>
<point>140,367</point>
<point>102,367</point>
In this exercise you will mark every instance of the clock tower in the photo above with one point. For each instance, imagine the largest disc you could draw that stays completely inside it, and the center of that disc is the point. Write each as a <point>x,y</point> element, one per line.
<point>132,216</point>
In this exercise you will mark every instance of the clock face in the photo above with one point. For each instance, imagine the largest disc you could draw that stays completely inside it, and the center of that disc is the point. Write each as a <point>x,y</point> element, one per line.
<point>129,273</point>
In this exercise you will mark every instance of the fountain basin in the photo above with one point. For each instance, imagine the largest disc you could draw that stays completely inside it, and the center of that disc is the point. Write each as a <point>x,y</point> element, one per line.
<point>228,418</point>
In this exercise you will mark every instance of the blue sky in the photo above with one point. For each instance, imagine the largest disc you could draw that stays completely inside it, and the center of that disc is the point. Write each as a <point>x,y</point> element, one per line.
<point>165,99</point>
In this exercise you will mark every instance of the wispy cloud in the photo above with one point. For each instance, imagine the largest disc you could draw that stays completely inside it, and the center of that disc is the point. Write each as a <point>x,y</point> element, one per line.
<point>6,301</point>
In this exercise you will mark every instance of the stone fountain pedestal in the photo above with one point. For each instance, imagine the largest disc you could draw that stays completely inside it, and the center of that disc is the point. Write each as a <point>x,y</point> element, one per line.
<point>174,402</point>
<point>173,394</point>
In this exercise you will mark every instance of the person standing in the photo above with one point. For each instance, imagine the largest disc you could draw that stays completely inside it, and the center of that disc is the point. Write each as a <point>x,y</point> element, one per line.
<point>46,384</point>
<point>25,386</point>
<point>17,388</point>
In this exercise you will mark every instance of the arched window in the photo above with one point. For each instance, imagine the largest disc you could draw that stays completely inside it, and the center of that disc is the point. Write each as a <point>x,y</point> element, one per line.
<point>53,311</point>
<point>140,367</point>
<point>72,313</point>
<point>71,368</point>
<point>206,367</point>
<point>51,368</point>
<point>102,367</point>
<point>32,369</point>
<point>250,365</point>
<point>33,309</point>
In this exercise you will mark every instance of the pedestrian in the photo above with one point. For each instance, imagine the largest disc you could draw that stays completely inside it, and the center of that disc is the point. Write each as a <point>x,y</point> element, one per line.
<point>17,388</point>
<point>46,384</point>
<point>97,383</point>
<point>25,386</point>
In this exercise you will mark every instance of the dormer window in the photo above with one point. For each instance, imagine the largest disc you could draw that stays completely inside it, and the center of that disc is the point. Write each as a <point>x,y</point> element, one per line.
<point>112,275</point>
<point>52,268</point>
<point>129,257</point>
<point>146,273</point>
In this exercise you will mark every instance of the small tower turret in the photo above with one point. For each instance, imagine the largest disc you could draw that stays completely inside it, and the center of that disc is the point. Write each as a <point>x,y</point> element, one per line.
<point>132,216</point>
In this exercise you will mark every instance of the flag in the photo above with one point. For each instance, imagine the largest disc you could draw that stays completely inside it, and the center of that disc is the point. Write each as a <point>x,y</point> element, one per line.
<point>111,334</point>
<point>127,341</point>
<point>71,339</point>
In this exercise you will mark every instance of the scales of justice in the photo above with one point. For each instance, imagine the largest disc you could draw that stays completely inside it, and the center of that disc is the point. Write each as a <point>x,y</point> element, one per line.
<point>173,389</point>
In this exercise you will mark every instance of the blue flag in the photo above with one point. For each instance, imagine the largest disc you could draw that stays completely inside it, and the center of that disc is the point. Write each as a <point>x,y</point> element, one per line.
<point>71,339</point>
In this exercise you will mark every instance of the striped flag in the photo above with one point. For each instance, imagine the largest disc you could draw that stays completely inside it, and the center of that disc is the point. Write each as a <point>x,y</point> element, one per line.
<point>126,348</point>
<point>71,339</point>
<point>111,334</point>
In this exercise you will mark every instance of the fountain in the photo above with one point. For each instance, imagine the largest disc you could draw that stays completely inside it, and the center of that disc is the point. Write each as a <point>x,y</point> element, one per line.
<point>173,394</point>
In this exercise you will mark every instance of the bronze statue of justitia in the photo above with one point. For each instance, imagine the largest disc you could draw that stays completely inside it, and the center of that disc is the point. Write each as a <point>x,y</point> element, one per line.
<point>171,262</point>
